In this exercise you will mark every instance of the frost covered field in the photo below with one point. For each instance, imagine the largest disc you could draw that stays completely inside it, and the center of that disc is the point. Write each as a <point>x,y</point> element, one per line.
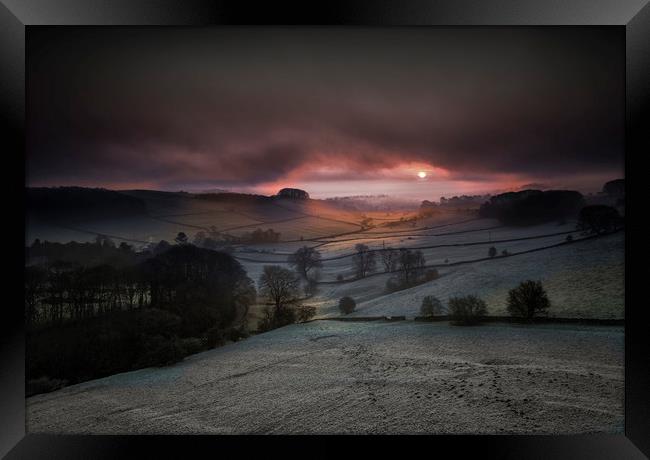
<point>330,376</point>
<point>363,377</point>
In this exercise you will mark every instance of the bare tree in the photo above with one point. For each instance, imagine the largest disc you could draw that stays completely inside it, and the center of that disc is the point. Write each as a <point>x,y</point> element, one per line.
<point>411,266</point>
<point>528,300</point>
<point>389,259</point>
<point>280,286</point>
<point>304,260</point>
<point>364,260</point>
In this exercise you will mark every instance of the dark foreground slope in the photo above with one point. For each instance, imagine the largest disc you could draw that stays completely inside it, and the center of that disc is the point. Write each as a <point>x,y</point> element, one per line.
<point>334,377</point>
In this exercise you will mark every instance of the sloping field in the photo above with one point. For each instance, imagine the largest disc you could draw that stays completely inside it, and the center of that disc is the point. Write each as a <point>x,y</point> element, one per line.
<point>170,213</point>
<point>373,377</point>
<point>584,280</point>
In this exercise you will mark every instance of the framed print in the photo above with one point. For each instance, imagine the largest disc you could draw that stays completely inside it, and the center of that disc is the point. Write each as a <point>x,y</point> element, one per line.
<point>364,218</point>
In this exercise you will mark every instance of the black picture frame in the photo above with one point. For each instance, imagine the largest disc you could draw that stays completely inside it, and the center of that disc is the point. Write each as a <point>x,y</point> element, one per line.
<point>18,16</point>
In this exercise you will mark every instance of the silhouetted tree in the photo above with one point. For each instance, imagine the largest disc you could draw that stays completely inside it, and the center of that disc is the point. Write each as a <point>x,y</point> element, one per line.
<point>529,207</point>
<point>304,260</point>
<point>181,238</point>
<point>615,188</point>
<point>598,219</point>
<point>528,300</point>
<point>466,310</point>
<point>431,306</point>
<point>364,260</point>
<point>35,283</point>
<point>347,305</point>
<point>411,266</point>
<point>280,286</point>
<point>389,259</point>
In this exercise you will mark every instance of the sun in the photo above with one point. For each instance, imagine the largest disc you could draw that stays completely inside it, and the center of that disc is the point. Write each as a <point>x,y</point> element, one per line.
<point>422,174</point>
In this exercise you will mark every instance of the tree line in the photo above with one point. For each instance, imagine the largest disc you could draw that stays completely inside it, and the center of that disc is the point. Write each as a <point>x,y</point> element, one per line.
<point>89,320</point>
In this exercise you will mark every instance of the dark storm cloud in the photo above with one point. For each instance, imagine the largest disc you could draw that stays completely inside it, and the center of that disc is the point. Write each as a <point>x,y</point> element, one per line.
<point>245,106</point>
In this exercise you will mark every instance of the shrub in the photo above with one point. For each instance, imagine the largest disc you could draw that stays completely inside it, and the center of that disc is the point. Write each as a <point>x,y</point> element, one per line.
<point>466,310</point>
<point>492,251</point>
<point>191,345</point>
<point>392,285</point>
<point>275,318</point>
<point>505,253</point>
<point>431,306</point>
<point>305,313</point>
<point>339,277</point>
<point>569,238</point>
<point>528,300</point>
<point>347,305</point>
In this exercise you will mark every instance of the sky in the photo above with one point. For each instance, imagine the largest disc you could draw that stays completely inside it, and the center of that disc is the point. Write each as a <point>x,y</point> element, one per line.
<point>335,111</point>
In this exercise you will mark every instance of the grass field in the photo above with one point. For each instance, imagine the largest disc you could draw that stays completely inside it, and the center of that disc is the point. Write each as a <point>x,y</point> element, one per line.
<point>372,377</point>
<point>335,377</point>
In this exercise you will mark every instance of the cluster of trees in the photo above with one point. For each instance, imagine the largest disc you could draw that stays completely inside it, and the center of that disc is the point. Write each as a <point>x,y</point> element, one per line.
<point>428,208</point>
<point>87,321</point>
<point>529,207</point>
<point>463,201</point>
<point>408,266</point>
<point>260,236</point>
<point>102,250</point>
<point>615,189</point>
<point>409,269</point>
<point>216,240</point>
<point>526,301</point>
<point>599,218</point>
<point>364,260</point>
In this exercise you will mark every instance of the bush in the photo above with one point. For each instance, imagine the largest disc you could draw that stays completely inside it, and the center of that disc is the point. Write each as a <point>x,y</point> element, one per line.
<point>467,310</point>
<point>339,277</point>
<point>274,318</point>
<point>492,251</point>
<point>305,313</point>
<point>347,305</point>
<point>569,238</point>
<point>392,285</point>
<point>192,345</point>
<point>431,306</point>
<point>528,300</point>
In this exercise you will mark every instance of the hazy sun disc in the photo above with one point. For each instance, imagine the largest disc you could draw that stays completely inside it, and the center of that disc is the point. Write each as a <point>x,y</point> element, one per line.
<point>422,174</point>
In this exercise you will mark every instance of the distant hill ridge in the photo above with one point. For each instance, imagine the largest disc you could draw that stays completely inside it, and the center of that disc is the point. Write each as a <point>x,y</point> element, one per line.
<point>71,202</point>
